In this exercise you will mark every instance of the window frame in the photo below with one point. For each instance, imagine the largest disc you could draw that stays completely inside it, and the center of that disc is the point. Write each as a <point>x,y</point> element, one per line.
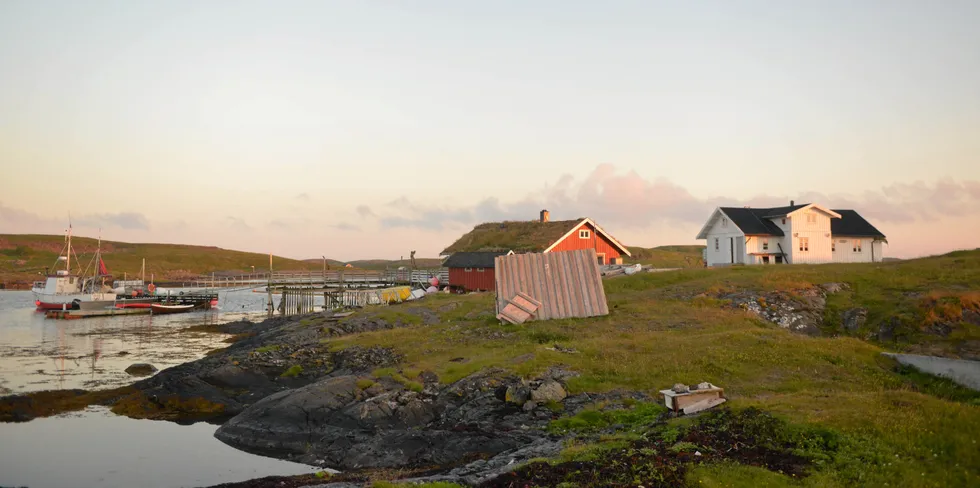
<point>717,248</point>
<point>467,270</point>
<point>765,244</point>
<point>584,234</point>
<point>479,270</point>
<point>811,218</point>
<point>833,245</point>
<point>804,244</point>
<point>856,245</point>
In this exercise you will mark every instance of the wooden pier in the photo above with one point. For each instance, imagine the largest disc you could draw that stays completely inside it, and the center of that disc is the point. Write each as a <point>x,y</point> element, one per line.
<point>358,278</point>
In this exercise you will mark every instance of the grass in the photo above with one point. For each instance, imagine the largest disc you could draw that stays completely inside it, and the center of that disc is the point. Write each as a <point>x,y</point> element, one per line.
<point>292,372</point>
<point>668,256</point>
<point>23,256</point>
<point>666,328</point>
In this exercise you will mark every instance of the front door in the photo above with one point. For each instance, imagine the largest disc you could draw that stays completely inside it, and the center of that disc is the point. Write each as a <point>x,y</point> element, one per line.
<point>602,259</point>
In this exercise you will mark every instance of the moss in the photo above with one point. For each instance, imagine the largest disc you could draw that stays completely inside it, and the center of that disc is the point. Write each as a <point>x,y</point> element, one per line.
<point>28,406</point>
<point>269,348</point>
<point>172,407</point>
<point>595,419</point>
<point>292,372</point>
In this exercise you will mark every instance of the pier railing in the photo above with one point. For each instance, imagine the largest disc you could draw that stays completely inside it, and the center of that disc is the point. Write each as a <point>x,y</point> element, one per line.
<point>330,278</point>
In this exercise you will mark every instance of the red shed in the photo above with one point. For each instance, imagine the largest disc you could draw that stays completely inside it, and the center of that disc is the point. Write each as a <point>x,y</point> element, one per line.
<point>472,271</point>
<point>542,235</point>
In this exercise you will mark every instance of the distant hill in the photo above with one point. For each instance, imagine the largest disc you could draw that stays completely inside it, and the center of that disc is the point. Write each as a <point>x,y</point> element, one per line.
<point>23,258</point>
<point>668,256</point>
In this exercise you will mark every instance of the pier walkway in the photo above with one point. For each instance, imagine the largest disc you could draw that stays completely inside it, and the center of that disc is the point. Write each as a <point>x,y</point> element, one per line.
<point>347,278</point>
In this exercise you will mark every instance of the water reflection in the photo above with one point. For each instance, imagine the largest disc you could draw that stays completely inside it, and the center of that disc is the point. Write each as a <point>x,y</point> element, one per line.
<point>37,353</point>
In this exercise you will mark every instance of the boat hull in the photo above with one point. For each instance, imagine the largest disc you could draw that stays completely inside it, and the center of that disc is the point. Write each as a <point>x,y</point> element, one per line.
<point>44,301</point>
<point>167,309</point>
<point>124,303</point>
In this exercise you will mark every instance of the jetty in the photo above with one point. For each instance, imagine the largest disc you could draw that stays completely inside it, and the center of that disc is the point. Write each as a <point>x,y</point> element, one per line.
<point>199,301</point>
<point>327,279</point>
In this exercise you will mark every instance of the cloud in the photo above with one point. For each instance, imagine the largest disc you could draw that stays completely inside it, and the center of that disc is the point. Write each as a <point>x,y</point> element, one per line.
<point>237,224</point>
<point>365,211</point>
<point>346,226</point>
<point>24,221</point>
<point>628,200</point>
<point>123,220</point>
<point>303,197</point>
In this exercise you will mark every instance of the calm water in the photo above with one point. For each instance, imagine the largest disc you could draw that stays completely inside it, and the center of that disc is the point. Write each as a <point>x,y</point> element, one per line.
<point>96,448</point>
<point>37,353</point>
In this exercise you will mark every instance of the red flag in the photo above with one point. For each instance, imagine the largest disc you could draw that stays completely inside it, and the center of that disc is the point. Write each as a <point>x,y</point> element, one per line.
<point>102,268</point>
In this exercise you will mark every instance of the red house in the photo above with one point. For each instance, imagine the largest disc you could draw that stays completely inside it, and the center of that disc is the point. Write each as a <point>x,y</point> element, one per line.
<point>472,271</point>
<point>541,235</point>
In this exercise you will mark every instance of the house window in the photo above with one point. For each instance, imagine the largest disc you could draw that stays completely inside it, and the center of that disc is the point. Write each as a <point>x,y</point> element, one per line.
<point>784,221</point>
<point>804,243</point>
<point>765,244</point>
<point>468,270</point>
<point>833,245</point>
<point>584,234</point>
<point>724,222</point>
<point>857,245</point>
<point>716,244</point>
<point>811,218</point>
<point>479,270</point>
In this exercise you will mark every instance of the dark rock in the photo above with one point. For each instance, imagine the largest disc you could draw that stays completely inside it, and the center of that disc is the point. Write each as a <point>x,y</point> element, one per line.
<point>529,406</point>
<point>358,358</point>
<point>518,394</point>
<point>971,317</point>
<point>886,330</point>
<point>853,319</point>
<point>141,369</point>
<point>331,423</point>
<point>942,329</point>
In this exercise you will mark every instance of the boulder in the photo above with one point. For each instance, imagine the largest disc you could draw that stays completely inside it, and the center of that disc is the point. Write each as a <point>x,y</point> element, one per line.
<point>854,319</point>
<point>549,390</point>
<point>518,394</point>
<point>141,369</point>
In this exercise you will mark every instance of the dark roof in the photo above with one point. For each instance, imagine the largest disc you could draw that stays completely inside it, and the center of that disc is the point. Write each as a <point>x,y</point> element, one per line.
<point>775,212</point>
<point>527,236</point>
<point>852,224</point>
<point>752,220</point>
<point>472,259</point>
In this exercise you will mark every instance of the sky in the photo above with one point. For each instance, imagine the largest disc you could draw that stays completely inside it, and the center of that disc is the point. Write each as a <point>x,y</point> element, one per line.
<point>368,129</point>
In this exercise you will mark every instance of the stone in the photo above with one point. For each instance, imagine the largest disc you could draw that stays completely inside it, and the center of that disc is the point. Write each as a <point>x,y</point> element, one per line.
<point>704,386</point>
<point>141,369</point>
<point>853,319</point>
<point>835,287</point>
<point>680,388</point>
<point>530,406</point>
<point>517,394</point>
<point>886,330</point>
<point>549,390</point>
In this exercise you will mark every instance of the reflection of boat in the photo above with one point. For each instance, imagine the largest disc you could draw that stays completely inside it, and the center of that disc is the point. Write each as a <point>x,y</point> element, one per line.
<point>61,289</point>
<point>159,308</point>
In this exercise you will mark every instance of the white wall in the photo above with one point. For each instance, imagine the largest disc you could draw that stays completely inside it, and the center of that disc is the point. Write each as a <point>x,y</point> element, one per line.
<point>844,250</point>
<point>817,232</point>
<point>724,233</point>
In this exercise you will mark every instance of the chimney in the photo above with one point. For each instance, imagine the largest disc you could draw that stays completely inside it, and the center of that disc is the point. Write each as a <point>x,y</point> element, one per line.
<point>545,216</point>
<point>791,203</point>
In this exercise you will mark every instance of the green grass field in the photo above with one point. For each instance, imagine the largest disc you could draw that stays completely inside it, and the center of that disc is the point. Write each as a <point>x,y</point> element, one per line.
<point>861,420</point>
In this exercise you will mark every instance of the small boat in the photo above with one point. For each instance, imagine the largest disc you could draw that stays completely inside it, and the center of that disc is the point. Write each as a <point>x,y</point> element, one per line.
<point>158,308</point>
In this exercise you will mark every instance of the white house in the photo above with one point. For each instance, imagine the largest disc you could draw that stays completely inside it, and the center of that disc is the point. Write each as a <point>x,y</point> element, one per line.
<point>805,233</point>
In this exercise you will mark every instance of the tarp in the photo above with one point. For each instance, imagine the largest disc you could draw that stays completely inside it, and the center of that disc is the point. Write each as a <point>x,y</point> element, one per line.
<point>567,283</point>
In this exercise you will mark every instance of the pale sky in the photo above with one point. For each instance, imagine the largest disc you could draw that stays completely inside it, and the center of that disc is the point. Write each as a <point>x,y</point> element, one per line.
<point>363,129</point>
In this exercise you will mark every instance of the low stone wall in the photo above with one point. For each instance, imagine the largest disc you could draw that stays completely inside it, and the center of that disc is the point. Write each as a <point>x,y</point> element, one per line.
<point>966,373</point>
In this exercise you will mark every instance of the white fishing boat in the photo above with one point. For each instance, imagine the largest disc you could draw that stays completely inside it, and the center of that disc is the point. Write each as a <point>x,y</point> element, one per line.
<point>63,289</point>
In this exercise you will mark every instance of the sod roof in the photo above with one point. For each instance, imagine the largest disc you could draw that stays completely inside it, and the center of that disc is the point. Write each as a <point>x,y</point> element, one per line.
<point>526,236</point>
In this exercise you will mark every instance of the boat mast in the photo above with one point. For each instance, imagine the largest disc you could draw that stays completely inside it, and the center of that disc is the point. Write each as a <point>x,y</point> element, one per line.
<point>68,260</point>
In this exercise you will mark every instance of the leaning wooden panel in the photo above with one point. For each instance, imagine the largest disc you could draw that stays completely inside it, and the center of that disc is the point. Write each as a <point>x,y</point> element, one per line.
<point>565,283</point>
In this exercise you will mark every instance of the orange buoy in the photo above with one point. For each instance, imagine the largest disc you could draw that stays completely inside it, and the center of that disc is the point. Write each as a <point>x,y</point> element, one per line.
<point>152,288</point>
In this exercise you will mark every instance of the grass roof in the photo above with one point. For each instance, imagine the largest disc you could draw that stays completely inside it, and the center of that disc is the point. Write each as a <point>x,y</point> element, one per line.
<point>524,236</point>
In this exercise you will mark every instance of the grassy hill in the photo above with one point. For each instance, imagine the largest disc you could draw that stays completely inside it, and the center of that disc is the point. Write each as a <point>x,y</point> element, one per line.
<point>24,257</point>
<point>849,415</point>
<point>668,256</point>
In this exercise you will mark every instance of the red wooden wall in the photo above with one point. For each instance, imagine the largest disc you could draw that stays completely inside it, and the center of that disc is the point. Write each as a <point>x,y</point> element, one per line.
<point>596,241</point>
<point>472,280</point>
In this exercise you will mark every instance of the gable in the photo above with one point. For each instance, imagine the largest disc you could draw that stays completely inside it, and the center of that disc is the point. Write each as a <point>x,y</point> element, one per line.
<point>588,224</point>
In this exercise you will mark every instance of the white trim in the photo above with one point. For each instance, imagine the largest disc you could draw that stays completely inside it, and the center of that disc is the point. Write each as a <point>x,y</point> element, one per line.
<point>584,234</point>
<point>711,220</point>
<point>827,211</point>
<point>598,229</point>
<point>467,270</point>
